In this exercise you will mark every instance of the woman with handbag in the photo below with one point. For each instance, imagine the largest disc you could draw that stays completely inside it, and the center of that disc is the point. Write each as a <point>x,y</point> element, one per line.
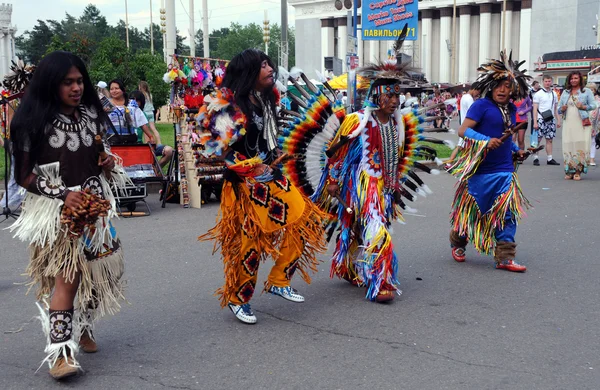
<point>595,118</point>
<point>575,104</point>
<point>125,117</point>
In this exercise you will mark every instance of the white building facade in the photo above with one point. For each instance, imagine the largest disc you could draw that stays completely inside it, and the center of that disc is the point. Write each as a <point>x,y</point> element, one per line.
<point>321,32</point>
<point>7,39</point>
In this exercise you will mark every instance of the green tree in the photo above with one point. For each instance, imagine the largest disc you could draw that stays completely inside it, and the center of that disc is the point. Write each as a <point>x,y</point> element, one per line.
<point>33,44</point>
<point>239,38</point>
<point>275,45</point>
<point>151,69</point>
<point>158,38</point>
<point>112,60</point>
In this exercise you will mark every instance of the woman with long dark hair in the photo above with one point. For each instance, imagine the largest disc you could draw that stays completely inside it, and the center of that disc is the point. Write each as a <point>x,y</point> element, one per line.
<point>262,213</point>
<point>58,134</point>
<point>575,104</point>
<point>126,116</point>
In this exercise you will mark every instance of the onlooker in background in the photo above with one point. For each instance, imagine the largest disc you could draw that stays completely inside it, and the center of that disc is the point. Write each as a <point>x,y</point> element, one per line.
<point>575,105</point>
<point>545,118</point>
<point>101,88</point>
<point>149,107</point>
<point>595,119</point>
<point>535,86</point>
<point>437,98</point>
<point>466,101</point>
<point>125,116</point>
<point>524,106</point>
<point>163,152</point>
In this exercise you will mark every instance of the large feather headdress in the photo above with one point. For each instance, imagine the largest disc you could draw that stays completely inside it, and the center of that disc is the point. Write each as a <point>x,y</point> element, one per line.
<point>495,71</point>
<point>389,69</point>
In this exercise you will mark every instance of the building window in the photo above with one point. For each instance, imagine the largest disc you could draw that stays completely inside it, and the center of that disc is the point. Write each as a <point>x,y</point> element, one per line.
<point>561,80</point>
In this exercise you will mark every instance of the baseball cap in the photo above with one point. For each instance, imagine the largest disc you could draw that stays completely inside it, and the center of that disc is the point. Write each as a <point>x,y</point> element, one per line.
<point>101,84</point>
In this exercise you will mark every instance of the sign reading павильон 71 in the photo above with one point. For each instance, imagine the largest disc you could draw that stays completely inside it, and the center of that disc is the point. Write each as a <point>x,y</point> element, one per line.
<point>384,19</point>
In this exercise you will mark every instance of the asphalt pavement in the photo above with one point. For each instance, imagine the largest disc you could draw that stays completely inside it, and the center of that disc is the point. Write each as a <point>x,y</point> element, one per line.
<point>456,326</point>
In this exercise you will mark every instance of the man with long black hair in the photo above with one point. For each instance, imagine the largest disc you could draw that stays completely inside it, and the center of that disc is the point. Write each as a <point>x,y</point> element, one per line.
<point>262,213</point>
<point>58,134</point>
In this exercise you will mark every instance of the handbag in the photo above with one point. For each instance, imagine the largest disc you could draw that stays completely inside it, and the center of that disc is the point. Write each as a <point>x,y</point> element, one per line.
<point>548,116</point>
<point>586,122</point>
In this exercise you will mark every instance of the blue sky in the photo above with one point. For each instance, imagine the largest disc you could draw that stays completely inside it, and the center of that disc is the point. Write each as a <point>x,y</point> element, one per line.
<point>221,12</point>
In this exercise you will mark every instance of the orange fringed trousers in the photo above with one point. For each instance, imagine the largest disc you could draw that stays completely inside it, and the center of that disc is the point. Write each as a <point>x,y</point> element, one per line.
<point>260,220</point>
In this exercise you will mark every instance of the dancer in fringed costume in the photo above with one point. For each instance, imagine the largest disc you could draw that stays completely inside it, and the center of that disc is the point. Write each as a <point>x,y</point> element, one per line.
<point>365,170</point>
<point>262,213</point>
<point>61,160</point>
<point>489,202</point>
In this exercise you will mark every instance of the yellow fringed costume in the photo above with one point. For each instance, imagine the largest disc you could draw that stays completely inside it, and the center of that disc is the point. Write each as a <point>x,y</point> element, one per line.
<point>261,215</point>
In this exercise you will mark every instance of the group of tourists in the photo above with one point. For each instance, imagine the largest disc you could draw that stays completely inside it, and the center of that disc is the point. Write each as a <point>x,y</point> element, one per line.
<point>62,136</point>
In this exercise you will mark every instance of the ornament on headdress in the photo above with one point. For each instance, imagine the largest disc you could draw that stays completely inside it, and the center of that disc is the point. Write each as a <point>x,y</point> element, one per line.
<point>18,77</point>
<point>495,71</point>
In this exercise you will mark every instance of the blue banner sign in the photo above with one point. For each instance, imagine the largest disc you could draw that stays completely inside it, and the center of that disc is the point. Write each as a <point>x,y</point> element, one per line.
<point>383,20</point>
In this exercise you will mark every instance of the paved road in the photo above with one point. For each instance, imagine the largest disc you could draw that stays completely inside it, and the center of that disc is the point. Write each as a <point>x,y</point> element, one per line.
<point>457,326</point>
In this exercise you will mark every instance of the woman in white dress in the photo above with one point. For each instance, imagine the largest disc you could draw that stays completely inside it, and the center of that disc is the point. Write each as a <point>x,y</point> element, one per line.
<point>575,104</point>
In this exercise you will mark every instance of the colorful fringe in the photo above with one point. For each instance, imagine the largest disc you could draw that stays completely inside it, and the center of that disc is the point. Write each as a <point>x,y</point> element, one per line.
<point>468,159</point>
<point>240,215</point>
<point>223,121</point>
<point>466,218</point>
<point>319,123</point>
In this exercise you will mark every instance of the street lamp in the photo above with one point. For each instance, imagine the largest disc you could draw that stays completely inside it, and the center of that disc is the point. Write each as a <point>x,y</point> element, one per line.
<point>126,25</point>
<point>266,33</point>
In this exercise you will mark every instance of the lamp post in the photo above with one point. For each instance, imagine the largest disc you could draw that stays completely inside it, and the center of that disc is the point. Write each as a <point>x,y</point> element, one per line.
<point>503,24</point>
<point>453,52</point>
<point>163,28</point>
<point>126,26</point>
<point>151,31</point>
<point>266,33</point>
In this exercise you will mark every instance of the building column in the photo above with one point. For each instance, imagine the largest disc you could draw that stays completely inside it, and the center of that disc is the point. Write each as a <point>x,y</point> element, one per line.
<point>426,32</point>
<point>464,39</point>
<point>4,62</point>
<point>342,36</point>
<point>525,34</point>
<point>373,52</point>
<point>13,51</point>
<point>445,34</point>
<point>327,41</point>
<point>485,19</point>
<point>507,27</point>
<point>361,48</point>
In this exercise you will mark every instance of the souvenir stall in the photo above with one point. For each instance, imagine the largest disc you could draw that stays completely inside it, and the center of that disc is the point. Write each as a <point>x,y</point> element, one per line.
<point>193,177</point>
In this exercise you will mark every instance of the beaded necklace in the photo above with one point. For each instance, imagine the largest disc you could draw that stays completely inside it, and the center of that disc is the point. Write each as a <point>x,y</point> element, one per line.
<point>389,142</point>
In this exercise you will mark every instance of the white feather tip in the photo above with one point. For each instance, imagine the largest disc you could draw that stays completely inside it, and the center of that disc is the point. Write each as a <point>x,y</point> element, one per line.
<point>282,75</point>
<point>426,188</point>
<point>295,72</point>
<point>280,86</point>
<point>435,172</point>
<point>449,144</point>
<point>320,76</point>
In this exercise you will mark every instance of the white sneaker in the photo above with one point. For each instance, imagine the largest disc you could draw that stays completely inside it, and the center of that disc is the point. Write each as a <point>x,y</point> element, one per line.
<point>287,292</point>
<point>243,313</point>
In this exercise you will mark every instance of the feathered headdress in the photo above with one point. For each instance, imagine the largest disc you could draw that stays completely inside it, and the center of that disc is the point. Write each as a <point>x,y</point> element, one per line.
<point>18,77</point>
<point>495,71</point>
<point>387,77</point>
